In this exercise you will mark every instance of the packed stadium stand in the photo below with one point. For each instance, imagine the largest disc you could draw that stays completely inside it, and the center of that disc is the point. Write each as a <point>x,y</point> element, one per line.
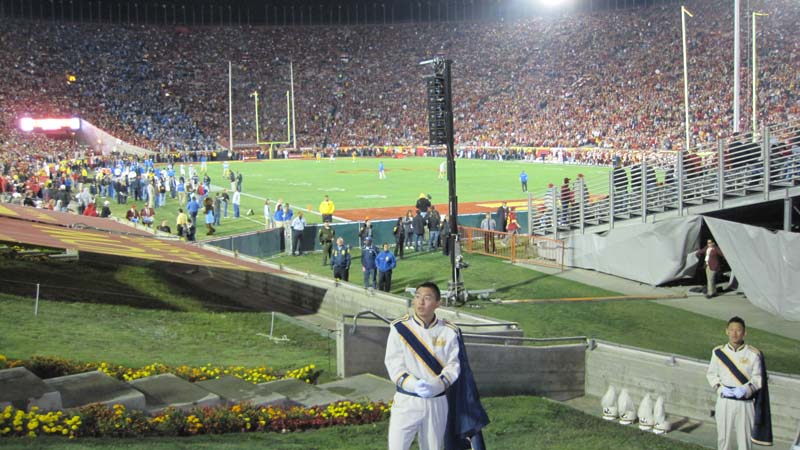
<point>611,79</point>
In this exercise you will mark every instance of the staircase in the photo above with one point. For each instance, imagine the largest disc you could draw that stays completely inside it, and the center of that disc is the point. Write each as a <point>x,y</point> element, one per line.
<point>23,390</point>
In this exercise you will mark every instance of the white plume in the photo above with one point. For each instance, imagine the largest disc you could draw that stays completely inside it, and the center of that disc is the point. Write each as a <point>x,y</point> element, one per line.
<point>626,408</point>
<point>645,413</point>
<point>609,404</point>
<point>660,424</point>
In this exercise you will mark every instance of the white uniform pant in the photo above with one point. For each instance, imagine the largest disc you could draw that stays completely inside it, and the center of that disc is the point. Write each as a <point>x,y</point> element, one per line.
<point>411,416</point>
<point>734,424</point>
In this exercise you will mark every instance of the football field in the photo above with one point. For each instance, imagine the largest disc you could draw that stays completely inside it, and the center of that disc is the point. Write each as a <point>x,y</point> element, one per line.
<point>358,193</point>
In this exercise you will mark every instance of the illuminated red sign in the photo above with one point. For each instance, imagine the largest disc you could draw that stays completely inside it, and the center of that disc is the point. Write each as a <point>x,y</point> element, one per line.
<point>29,124</point>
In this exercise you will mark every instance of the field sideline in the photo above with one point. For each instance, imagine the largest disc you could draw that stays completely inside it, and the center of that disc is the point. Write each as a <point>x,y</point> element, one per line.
<point>481,185</point>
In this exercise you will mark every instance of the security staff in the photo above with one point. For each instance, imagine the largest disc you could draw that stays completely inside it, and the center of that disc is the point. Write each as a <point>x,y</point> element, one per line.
<point>327,208</point>
<point>326,237</point>
<point>340,260</point>
<point>368,254</point>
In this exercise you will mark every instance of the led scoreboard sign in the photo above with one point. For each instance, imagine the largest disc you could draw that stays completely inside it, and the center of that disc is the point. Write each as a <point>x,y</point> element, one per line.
<point>49,125</point>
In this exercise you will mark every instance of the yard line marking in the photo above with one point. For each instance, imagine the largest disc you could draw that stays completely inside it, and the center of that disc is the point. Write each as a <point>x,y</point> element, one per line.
<point>586,299</point>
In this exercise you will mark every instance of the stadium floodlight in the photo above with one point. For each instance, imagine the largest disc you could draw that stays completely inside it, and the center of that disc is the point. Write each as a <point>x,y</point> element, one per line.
<point>552,4</point>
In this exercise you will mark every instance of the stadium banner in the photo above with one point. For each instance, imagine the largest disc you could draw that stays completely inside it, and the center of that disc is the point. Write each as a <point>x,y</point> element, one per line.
<point>765,263</point>
<point>652,253</point>
<point>68,220</point>
<point>130,246</point>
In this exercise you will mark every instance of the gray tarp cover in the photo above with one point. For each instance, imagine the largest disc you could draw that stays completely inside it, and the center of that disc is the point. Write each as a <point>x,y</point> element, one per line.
<point>766,264</point>
<point>652,253</point>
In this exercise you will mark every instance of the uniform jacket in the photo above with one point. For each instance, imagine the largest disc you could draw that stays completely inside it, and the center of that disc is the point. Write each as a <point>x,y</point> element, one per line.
<point>368,255</point>
<point>385,261</point>
<point>340,257</point>
<point>326,235</point>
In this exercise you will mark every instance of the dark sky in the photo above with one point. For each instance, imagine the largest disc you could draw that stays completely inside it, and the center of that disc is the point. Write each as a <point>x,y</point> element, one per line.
<point>287,12</point>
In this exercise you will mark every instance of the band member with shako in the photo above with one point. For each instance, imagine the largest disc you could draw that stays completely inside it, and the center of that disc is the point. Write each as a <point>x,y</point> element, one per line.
<point>738,375</point>
<point>425,357</point>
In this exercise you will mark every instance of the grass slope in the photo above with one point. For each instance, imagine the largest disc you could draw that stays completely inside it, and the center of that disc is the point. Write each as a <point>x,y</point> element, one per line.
<point>638,323</point>
<point>136,337</point>
<point>644,324</point>
<point>181,317</point>
<point>484,272</point>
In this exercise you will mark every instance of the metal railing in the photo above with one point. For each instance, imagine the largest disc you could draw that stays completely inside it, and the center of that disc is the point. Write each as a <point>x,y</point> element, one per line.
<point>368,314</point>
<point>658,182</point>
<point>516,247</point>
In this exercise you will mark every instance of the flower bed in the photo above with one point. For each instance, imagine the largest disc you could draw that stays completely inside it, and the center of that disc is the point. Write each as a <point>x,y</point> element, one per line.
<point>50,367</point>
<point>100,421</point>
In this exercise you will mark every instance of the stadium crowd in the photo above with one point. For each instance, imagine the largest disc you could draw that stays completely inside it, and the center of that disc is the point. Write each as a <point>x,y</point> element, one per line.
<point>611,79</point>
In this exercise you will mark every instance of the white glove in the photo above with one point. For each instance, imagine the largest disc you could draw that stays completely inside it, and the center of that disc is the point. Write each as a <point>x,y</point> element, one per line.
<point>423,389</point>
<point>728,392</point>
<point>740,392</point>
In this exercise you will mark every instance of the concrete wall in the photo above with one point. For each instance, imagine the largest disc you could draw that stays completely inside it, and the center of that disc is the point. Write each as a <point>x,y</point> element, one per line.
<point>683,384</point>
<point>554,371</point>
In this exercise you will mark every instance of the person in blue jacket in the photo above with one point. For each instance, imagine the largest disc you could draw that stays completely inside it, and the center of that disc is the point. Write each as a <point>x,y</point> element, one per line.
<point>340,260</point>
<point>386,262</point>
<point>192,207</point>
<point>368,254</point>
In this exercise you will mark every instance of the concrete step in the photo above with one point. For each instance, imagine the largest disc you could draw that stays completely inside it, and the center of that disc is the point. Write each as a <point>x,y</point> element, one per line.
<point>301,393</point>
<point>232,390</point>
<point>365,387</point>
<point>95,387</point>
<point>165,390</point>
<point>21,389</point>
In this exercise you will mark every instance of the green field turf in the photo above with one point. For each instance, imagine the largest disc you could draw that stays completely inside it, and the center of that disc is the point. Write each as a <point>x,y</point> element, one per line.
<point>303,183</point>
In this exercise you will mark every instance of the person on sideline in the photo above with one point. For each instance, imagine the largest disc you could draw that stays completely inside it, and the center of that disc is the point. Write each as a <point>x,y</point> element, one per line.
<point>237,198</point>
<point>737,373</point>
<point>340,260</point>
<point>326,238</point>
<point>488,225</point>
<point>327,208</point>
<point>269,221</point>
<point>711,255</point>
<point>368,266</point>
<point>209,214</point>
<point>426,358</point>
<point>399,237</point>
<point>386,262</point>
<point>298,226</point>
<point>182,223</point>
